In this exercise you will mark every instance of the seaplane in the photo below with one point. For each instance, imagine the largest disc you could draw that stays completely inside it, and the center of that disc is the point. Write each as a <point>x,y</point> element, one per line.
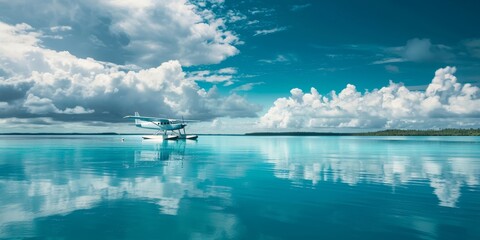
<point>167,129</point>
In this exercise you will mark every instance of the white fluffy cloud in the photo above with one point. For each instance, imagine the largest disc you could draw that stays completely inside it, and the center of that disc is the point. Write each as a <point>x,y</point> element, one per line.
<point>224,75</point>
<point>445,103</point>
<point>172,28</point>
<point>44,82</point>
<point>146,32</point>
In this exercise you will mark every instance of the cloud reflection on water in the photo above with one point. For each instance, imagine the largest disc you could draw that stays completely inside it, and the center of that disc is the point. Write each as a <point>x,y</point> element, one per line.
<point>50,190</point>
<point>58,182</point>
<point>352,161</point>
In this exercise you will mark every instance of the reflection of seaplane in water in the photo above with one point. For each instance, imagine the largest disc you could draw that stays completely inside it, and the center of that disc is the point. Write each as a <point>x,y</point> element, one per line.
<point>168,129</point>
<point>164,153</point>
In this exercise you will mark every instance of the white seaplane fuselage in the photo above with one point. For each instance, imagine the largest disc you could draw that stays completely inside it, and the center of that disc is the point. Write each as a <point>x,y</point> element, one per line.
<point>167,129</point>
<point>163,126</point>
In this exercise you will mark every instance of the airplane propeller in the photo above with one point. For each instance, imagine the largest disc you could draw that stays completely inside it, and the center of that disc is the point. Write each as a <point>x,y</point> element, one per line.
<point>183,122</point>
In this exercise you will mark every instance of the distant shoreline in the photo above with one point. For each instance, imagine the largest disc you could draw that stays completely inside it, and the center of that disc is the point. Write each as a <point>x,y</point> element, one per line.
<point>390,132</point>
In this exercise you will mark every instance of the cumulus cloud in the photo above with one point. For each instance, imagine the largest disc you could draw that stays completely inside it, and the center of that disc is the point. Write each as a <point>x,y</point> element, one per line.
<point>224,75</point>
<point>444,103</point>
<point>146,32</point>
<point>48,83</point>
<point>235,16</point>
<point>228,70</point>
<point>173,28</point>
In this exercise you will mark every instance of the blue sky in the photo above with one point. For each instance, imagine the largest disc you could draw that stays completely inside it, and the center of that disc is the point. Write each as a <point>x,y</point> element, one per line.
<point>239,66</point>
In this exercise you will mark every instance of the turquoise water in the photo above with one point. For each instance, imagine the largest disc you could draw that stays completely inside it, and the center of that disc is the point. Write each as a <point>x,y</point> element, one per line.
<point>239,187</point>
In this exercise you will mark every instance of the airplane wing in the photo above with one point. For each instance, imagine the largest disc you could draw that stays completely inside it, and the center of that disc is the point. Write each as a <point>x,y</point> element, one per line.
<point>156,119</point>
<point>182,120</point>
<point>148,119</point>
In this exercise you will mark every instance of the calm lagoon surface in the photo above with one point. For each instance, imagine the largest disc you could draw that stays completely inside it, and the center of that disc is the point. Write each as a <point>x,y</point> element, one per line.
<point>240,187</point>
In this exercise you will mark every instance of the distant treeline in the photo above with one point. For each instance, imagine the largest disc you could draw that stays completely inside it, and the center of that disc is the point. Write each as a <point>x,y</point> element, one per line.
<point>390,132</point>
<point>441,132</point>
